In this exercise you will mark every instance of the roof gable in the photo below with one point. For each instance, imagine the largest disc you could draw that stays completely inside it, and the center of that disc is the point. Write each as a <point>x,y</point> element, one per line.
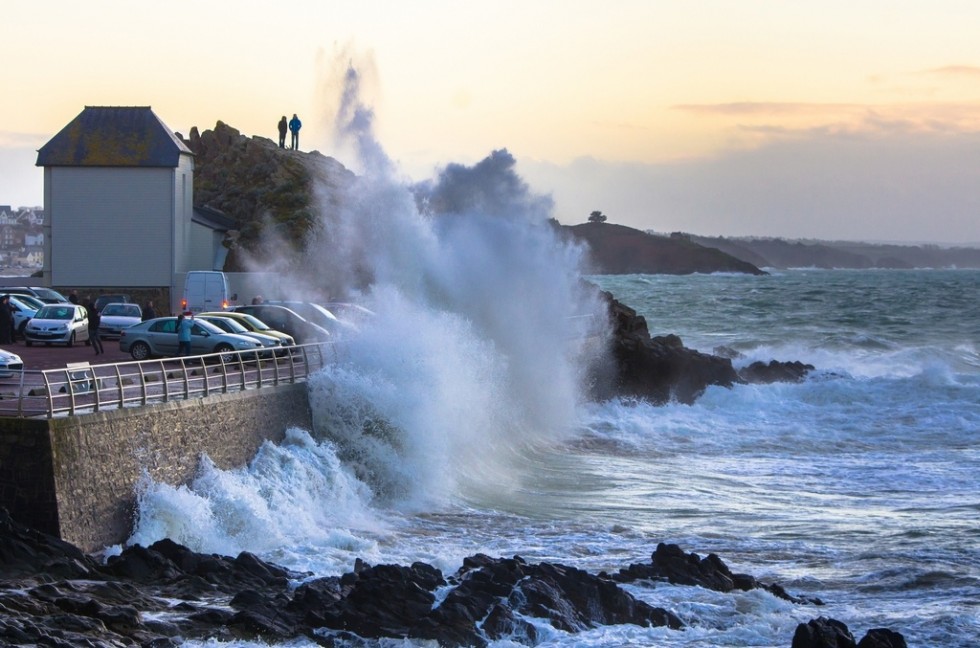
<point>115,137</point>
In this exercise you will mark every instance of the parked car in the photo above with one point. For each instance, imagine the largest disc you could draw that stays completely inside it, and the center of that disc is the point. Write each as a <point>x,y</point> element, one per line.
<point>286,320</point>
<point>318,315</point>
<point>116,317</point>
<point>23,310</point>
<point>102,300</point>
<point>58,324</point>
<point>158,337</point>
<point>254,324</point>
<point>10,364</point>
<point>229,325</point>
<point>47,295</point>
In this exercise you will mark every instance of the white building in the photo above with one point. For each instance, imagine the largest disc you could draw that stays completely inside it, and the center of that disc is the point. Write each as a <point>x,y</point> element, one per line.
<point>119,204</point>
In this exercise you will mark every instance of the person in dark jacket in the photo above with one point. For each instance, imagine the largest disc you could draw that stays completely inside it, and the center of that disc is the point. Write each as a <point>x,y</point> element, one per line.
<point>294,125</point>
<point>6,320</point>
<point>148,311</point>
<point>94,321</point>
<point>283,127</point>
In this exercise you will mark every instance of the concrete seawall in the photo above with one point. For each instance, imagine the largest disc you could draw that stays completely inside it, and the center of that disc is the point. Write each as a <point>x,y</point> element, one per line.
<point>76,477</point>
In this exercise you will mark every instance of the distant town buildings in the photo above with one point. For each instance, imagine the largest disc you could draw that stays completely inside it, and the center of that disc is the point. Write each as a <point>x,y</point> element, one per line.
<point>21,239</point>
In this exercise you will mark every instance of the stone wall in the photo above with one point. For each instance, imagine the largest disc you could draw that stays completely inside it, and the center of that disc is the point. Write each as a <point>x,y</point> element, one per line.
<point>77,477</point>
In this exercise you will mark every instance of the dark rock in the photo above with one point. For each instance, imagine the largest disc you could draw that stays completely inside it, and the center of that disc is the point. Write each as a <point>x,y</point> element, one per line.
<point>823,632</point>
<point>882,638</point>
<point>670,563</point>
<point>245,598</point>
<point>775,371</point>
<point>659,369</point>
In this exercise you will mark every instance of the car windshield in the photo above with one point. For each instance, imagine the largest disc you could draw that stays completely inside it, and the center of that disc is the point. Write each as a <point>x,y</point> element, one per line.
<point>255,322</point>
<point>228,324</point>
<point>123,310</point>
<point>47,293</point>
<point>23,304</point>
<point>55,313</point>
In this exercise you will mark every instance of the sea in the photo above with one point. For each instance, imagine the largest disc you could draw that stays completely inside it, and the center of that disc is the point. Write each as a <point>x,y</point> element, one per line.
<point>859,486</point>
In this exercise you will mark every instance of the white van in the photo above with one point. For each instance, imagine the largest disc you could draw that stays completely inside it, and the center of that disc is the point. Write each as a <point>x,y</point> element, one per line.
<point>205,291</point>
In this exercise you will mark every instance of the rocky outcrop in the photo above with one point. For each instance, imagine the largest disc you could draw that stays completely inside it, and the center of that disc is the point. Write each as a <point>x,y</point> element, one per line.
<point>276,196</point>
<point>617,249</point>
<point>669,563</point>
<point>661,369</point>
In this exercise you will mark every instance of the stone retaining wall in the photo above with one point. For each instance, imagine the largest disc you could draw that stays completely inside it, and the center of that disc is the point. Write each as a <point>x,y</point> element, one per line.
<point>76,477</point>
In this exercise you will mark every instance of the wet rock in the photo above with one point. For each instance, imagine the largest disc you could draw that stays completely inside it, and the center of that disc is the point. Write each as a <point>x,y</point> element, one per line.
<point>775,371</point>
<point>823,632</point>
<point>670,563</point>
<point>162,595</point>
<point>882,638</point>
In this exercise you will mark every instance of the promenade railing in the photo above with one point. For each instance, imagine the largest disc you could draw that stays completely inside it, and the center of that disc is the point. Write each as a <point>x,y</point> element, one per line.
<point>83,388</point>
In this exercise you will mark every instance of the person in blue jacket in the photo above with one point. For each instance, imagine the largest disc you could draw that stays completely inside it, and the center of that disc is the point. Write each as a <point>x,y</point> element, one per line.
<point>185,322</point>
<point>294,125</point>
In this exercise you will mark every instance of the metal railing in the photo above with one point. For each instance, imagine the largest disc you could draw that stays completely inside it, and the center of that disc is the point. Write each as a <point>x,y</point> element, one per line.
<point>83,388</point>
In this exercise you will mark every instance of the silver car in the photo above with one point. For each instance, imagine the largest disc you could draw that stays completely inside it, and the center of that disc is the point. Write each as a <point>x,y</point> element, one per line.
<point>117,316</point>
<point>158,337</point>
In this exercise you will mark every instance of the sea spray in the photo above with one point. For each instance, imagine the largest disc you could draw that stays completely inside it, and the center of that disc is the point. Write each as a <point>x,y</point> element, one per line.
<point>472,362</point>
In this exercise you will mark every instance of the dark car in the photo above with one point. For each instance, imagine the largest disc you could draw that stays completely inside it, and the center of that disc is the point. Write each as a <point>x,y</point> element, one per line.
<point>286,320</point>
<point>318,315</point>
<point>47,295</point>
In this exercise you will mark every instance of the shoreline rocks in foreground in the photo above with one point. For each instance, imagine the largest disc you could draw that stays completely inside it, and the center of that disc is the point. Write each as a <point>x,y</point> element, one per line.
<point>52,594</point>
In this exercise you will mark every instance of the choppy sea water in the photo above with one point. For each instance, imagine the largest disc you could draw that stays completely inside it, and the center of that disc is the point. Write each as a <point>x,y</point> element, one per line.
<point>860,485</point>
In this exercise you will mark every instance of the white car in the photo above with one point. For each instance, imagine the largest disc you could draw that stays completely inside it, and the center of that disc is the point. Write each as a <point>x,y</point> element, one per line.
<point>58,324</point>
<point>117,316</point>
<point>10,364</point>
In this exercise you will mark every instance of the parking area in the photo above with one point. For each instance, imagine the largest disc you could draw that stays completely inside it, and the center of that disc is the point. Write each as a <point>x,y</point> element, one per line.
<point>40,357</point>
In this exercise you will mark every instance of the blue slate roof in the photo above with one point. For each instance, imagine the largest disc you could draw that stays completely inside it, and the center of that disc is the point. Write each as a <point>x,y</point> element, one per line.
<point>113,136</point>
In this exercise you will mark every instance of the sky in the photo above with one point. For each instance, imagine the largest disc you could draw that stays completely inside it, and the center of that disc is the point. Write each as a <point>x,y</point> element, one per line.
<point>842,120</point>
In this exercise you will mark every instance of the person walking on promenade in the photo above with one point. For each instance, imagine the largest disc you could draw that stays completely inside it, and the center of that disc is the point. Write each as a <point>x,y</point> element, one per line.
<point>148,311</point>
<point>94,321</point>
<point>294,125</point>
<point>185,322</point>
<point>283,126</point>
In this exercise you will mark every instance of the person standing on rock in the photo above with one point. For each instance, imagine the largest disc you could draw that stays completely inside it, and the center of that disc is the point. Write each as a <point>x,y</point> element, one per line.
<point>282,132</point>
<point>294,125</point>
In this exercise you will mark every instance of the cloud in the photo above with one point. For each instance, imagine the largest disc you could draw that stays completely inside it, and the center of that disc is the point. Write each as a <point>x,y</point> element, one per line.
<point>972,71</point>
<point>896,186</point>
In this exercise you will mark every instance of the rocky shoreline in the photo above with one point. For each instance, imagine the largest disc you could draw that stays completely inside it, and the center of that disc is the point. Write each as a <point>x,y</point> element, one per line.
<point>52,594</point>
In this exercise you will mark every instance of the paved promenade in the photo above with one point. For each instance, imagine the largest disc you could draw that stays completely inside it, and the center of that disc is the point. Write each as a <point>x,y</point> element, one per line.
<point>57,356</point>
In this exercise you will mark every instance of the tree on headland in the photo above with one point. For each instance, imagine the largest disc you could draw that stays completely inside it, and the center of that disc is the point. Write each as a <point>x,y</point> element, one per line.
<point>597,217</point>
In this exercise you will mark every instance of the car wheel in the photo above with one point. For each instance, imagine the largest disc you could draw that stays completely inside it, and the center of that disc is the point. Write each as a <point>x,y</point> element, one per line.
<point>226,351</point>
<point>71,340</point>
<point>22,328</point>
<point>140,351</point>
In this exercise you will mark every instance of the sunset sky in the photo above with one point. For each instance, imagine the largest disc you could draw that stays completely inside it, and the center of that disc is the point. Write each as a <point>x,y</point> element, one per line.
<point>834,120</point>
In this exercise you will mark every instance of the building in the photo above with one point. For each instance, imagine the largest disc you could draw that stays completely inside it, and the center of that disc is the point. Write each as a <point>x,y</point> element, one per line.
<point>119,204</point>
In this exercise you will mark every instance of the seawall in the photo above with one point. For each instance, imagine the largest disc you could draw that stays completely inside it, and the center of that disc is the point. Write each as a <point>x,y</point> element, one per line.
<point>76,477</point>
